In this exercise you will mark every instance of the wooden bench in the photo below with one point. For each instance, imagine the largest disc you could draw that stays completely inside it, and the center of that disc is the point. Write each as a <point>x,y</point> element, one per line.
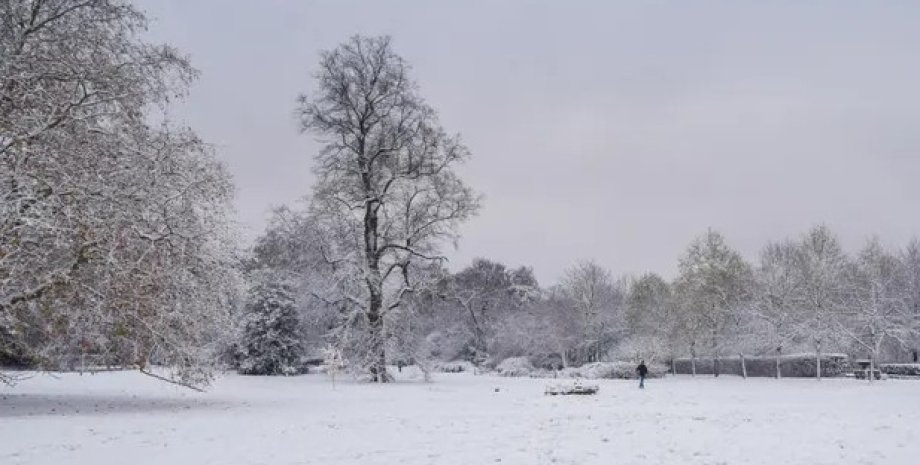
<point>863,374</point>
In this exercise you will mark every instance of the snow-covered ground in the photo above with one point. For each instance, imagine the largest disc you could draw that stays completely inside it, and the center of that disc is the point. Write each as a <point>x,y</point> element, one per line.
<point>129,419</point>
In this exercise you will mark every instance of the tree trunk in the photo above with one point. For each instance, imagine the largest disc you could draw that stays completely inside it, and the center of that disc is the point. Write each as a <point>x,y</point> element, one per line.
<point>779,371</point>
<point>673,367</point>
<point>716,366</point>
<point>692,362</point>
<point>871,373</point>
<point>818,360</point>
<point>478,333</point>
<point>377,350</point>
<point>743,366</point>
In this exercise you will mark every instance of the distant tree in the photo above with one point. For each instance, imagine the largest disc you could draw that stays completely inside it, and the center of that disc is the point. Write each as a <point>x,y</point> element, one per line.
<point>878,306</point>
<point>650,319</point>
<point>543,329</point>
<point>822,268</point>
<point>598,305</point>
<point>292,246</point>
<point>910,258</point>
<point>647,304</point>
<point>777,298</point>
<point>714,283</point>
<point>485,292</point>
<point>385,191</point>
<point>272,343</point>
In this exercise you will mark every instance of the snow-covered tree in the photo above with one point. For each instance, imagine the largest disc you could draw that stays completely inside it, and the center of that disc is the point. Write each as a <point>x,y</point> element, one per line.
<point>115,239</point>
<point>292,246</point>
<point>822,271</point>
<point>910,258</point>
<point>650,320</point>
<point>877,307</point>
<point>386,191</point>
<point>714,283</point>
<point>777,298</point>
<point>597,303</point>
<point>272,342</point>
<point>484,293</point>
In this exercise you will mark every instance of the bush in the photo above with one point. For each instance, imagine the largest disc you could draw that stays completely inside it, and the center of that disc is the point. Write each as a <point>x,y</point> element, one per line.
<point>547,361</point>
<point>454,367</point>
<point>515,366</point>
<point>791,366</point>
<point>900,369</point>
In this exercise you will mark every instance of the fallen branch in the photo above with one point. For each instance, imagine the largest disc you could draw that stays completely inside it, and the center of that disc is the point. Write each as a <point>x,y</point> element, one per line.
<point>169,380</point>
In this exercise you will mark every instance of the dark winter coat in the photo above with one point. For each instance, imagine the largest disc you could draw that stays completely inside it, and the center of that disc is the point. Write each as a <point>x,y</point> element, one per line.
<point>642,370</point>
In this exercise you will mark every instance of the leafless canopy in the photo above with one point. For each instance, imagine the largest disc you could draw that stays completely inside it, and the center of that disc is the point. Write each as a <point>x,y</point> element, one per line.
<point>386,188</point>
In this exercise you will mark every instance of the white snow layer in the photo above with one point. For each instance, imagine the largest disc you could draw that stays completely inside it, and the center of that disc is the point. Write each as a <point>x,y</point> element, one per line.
<point>126,418</point>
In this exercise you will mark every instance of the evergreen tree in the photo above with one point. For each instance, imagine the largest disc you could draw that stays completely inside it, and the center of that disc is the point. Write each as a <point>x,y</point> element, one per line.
<point>272,343</point>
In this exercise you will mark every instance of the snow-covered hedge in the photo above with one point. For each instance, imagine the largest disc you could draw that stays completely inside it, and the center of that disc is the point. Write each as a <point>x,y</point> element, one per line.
<point>515,366</point>
<point>900,369</point>
<point>791,366</point>
<point>521,366</point>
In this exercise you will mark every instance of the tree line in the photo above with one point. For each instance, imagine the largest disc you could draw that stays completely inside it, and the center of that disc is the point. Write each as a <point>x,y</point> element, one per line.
<point>803,295</point>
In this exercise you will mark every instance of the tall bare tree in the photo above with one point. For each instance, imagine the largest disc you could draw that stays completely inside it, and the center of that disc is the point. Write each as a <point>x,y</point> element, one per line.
<point>385,186</point>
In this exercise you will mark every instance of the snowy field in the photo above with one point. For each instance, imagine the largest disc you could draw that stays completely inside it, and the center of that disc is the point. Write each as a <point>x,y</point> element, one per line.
<point>126,418</point>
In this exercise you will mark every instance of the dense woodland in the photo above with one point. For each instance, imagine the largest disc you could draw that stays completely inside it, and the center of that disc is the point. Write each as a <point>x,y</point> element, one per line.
<point>118,248</point>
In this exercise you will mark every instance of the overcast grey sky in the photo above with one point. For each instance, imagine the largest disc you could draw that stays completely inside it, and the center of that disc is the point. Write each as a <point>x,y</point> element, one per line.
<point>617,131</point>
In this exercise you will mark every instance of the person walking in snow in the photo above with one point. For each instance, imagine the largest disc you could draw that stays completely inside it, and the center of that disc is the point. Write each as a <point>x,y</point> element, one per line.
<point>642,370</point>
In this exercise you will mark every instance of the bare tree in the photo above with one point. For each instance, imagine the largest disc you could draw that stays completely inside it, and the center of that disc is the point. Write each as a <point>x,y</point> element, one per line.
<point>484,292</point>
<point>292,246</point>
<point>776,302</point>
<point>714,282</point>
<point>910,258</point>
<point>386,189</point>
<point>877,306</point>
<point>650,319</point>
<point>822,268</point>
<point>598,304</point>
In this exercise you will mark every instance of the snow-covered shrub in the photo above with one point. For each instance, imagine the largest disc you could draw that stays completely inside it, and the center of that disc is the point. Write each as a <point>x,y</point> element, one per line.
<point>547,361</point>
<point>515,366</point>
<point>610,370</point>
<point>900,369</point>
<point>454,367</point>
<point>601,370</point>
<point>543,373</point>
<point>272,343</point>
